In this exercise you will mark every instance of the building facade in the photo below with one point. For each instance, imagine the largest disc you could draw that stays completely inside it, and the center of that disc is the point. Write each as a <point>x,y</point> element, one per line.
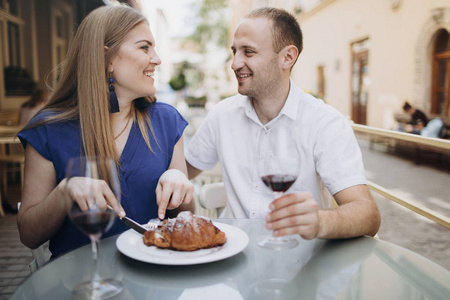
<point>366,58</point>
<point>34,36</point>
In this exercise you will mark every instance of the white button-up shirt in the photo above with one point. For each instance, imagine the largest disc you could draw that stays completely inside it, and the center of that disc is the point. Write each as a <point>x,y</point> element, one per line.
<point>233,135</point>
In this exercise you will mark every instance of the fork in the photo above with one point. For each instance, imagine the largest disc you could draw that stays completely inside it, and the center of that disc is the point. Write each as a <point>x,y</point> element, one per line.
<point>153,224</point>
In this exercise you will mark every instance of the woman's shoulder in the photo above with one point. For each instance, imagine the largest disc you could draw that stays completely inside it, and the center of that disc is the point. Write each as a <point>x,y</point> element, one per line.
<point>163,110</point>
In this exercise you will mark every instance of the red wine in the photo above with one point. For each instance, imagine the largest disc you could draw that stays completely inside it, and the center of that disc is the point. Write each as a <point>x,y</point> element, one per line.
<point>94,222</point>
<point>279,182</point>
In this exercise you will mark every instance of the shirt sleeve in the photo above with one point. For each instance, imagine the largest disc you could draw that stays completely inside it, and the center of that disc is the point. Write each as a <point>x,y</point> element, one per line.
<point>337,154</point>
<point>37,137</point>
<point>202,151</point>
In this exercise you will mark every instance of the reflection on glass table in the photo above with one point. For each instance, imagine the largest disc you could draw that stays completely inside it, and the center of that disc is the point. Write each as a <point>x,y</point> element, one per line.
<point>360,268</point>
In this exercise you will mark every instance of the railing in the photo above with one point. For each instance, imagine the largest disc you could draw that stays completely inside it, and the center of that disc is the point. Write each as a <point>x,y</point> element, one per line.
<point>402,136</point>
<point>438,144</point>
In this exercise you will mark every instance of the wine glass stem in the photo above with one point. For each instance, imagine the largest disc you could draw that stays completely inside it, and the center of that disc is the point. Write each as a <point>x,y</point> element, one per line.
<point>95,275</point>
<point>277,195</point>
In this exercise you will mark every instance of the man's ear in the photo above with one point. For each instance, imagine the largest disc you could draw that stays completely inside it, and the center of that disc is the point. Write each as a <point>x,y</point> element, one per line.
<point>289,56</point>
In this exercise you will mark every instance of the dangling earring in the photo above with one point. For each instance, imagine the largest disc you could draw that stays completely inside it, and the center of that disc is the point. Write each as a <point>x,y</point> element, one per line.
<point>113,102</point>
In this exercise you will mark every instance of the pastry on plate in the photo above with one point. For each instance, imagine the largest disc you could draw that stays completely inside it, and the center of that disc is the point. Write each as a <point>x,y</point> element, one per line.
<point>187,232</point>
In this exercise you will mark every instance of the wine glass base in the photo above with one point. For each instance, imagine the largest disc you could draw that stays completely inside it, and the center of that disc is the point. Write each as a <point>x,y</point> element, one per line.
<point>278,243</point>
<point>273,289</point>
<point>104,289</point>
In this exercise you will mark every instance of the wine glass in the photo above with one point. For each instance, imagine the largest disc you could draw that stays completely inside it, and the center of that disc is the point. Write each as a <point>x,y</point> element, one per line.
<point>89,175</point>
<point>279,170</point>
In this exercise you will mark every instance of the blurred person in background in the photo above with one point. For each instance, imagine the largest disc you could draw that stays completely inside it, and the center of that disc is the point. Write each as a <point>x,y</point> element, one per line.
<point>418,119</point>
<point>104,105</point>
<point>266,46</point>
<point>32,106</point>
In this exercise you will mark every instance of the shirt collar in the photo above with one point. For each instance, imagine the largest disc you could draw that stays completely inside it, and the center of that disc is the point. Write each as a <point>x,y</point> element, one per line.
<point>290,108</point>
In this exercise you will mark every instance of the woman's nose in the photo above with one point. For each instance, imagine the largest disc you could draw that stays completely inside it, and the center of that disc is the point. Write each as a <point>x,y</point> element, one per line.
<point>154,59</point>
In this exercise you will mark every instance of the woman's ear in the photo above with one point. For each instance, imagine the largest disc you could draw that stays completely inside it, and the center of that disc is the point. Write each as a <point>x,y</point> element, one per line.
<point>289,55</point>
<point>110,67</point>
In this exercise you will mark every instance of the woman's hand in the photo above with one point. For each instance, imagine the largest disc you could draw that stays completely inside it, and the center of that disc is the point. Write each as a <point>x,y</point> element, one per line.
<point>173,189</point>
<point>89,193</point>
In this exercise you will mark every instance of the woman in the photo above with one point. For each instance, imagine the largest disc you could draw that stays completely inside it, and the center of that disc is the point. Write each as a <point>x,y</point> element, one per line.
<point>104,105</point>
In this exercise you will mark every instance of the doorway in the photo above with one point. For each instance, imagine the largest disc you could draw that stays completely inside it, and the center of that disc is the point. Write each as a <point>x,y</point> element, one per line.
<point>360,81</point>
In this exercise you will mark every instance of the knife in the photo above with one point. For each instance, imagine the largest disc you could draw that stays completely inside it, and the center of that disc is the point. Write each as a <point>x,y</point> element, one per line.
<point>133,225</point>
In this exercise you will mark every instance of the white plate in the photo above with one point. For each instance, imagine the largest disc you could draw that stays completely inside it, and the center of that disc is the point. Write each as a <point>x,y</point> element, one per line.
<point>130,243</point>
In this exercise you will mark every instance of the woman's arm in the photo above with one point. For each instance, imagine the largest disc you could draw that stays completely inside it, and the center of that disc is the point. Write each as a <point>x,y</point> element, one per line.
<point>174,191</point>
<point>42,210</point>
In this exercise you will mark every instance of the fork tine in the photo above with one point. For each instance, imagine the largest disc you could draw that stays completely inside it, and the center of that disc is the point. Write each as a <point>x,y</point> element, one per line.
<point>153,224</point>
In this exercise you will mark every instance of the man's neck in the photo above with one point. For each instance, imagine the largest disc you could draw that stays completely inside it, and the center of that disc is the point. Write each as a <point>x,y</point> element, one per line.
<point>268,108</point>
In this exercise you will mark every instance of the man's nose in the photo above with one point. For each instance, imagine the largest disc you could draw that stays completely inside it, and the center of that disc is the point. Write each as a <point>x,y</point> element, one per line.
<point>237,63</point>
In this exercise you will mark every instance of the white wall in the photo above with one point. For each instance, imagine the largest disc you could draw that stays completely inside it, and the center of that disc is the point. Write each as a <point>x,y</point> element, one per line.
<point>394,39</point>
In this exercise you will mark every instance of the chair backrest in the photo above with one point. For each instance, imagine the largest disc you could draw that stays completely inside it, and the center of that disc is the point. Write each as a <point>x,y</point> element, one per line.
<point>9,117</point>
<point>213,196</point>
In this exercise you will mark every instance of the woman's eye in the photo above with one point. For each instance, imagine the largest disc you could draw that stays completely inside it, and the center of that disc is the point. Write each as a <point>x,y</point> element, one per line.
<point>144,47</point>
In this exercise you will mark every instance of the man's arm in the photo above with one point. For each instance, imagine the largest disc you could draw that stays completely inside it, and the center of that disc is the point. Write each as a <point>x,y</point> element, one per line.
<point>298,213</point>
<point>356,215</point>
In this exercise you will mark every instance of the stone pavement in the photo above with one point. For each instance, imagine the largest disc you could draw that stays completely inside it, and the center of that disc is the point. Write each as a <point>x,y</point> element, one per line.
<point>427,184</point>
<point>14,257</point>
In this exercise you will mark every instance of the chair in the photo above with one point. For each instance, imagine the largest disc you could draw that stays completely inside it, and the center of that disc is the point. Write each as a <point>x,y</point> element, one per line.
<point>41,255</point>
<point>2,213</point>
<point>12,160</point>
<point>9,117</point>
<point>213,196</point>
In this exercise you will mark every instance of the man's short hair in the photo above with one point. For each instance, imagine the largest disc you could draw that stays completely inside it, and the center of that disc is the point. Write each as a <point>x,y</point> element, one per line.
<point>406,106</point>
<point>285,29</point>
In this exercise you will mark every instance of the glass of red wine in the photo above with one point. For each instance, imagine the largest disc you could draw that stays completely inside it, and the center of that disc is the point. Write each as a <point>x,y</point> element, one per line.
<point>92,216</point>
<point>279,171</point>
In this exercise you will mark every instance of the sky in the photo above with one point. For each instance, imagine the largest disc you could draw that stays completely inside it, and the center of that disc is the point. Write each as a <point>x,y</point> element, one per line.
<point>179,15</point>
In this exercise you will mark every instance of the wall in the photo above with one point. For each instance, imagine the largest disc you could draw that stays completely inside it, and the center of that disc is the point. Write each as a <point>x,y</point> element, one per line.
<point>395,36</point>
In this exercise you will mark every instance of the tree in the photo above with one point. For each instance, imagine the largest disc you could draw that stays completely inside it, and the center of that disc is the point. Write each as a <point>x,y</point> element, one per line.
<point>213,24</point>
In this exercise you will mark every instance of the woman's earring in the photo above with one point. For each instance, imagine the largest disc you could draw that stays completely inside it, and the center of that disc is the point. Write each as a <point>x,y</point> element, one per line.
<point>113,102</point>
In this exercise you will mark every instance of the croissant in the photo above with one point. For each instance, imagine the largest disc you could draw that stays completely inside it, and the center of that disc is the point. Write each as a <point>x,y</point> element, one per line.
<point>186,233</point>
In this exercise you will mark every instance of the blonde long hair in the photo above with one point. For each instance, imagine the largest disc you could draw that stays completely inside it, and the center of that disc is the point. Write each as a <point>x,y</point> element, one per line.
<point>82,91</point>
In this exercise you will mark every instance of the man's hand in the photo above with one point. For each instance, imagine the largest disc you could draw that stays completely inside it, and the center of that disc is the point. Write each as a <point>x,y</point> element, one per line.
<point>295,213</point>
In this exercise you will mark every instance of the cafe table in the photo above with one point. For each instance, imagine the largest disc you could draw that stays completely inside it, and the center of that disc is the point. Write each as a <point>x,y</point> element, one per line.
<point>358,268</point>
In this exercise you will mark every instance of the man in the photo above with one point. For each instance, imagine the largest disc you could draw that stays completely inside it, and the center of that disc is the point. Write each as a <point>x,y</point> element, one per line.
<point>266,46</point>
<point>418,119</point>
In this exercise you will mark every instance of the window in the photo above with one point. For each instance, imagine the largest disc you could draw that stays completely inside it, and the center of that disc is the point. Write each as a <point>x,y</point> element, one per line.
<point>17,80</point>
<point>440,98</point>
<point>61,21</point>
<point>12,40</point>
<point>14,44</point>
<point>321,81</point>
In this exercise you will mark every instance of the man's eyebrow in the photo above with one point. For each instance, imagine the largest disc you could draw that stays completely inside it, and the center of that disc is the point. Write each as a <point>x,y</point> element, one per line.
<point>145,41</point>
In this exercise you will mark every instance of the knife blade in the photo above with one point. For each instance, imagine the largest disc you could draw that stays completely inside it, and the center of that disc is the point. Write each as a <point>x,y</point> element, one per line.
<point>133,225</point>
